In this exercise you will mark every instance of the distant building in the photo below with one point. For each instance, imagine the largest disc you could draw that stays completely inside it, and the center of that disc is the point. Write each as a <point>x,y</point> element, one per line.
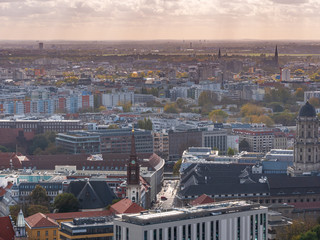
<point>311,94</point>
<point>161,144</point>
<point>110,100</point>
<point>259,139</point>
<point>224,220</point>
<point>105,141</point>
<point>40,45</point>
<point>39,226</point>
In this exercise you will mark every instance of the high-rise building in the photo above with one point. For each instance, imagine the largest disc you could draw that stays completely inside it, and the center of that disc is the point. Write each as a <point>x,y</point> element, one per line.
<point>40,45</point>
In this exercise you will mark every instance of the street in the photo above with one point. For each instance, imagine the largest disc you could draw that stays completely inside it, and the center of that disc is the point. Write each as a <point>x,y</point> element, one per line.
<point>166,197</point>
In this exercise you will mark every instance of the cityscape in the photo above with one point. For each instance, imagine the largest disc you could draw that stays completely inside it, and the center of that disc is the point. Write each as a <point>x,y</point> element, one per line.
<point>160,120</point>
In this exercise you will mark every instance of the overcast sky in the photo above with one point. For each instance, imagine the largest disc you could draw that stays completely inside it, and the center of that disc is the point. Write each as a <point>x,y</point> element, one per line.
<point>159,19</point>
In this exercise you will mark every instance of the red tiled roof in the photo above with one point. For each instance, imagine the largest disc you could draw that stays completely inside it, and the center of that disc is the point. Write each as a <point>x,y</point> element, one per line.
<point>6,229</point>
<point>71,215</point>
<point>306,205</point>
<point>126,206</point>
<point>39,220</point>
<point>203,199</point>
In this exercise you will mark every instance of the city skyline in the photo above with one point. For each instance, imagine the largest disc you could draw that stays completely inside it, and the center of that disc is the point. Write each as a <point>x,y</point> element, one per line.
<point>159,19</point>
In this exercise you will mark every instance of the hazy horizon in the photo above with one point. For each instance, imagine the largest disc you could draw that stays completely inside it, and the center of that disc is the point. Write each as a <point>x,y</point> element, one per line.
<point>138,20</point>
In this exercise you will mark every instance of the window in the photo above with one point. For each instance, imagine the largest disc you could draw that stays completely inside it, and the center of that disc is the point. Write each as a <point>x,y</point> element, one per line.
<point>174,233</point>
<point>217,230</point>
<point>169,233</point>
<point>38,233</point>
<point>46,233</point>
<point>54,232</point>
<point>238,228</point>
<point>198,231</point>
<point>211,230</point>
<point>189,232</point>
<point>203,231</point>
<point>184,232</point>
<point>127,233</point>
<point>160,234</point>
<point>145,235</point>
<point>155,234</point>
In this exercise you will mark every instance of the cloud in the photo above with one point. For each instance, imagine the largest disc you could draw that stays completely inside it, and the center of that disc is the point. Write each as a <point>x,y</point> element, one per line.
<point>106,19</point>
<point>290,2</point>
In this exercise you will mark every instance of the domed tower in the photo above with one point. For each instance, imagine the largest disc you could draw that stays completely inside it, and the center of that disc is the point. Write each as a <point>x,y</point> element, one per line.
<point>306,146</point>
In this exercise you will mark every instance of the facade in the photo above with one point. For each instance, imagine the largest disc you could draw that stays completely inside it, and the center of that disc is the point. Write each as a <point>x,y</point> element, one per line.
<point>110,100</point>
<point>40,227</point>
<point>311,94</point>
<point>42,126</point>
<point>181,140</point>
<point>87,228</point>
<point>25,189</point>
<point>259,139</point>
<point>306,146</point>
<point>215,139</point>
<point>161,144</point>
<point>224,221</point>
<point>105,141</point>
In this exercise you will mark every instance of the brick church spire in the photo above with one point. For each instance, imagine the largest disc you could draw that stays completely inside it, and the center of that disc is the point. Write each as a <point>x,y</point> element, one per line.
<point>133,168</point>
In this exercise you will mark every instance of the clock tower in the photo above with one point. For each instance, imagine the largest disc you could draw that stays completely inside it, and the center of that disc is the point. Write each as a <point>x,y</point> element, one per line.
<point>133,174</point>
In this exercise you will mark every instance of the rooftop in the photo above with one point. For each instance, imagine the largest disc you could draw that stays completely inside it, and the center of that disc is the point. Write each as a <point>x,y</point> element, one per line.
<point>199,211</point>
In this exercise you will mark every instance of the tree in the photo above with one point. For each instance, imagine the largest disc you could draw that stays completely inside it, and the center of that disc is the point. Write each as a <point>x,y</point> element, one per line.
<point>101,108</point>
<point>3,149</point>
<point>251,109</point>
<point>299,94</point>
<point>230,151</point>
<point>14,211</point>
<point>66,202</point>
<point>126,106</point>
<point>285,118</point>
<point>218,116</point>
<point>244,146</point>
<point>39,196</point>
<point>314,102</point>
<point>207,97</point>
<point>145,124</point>
<point>33,209</point>
<point>170,108</point>
<point>176,167</point>
<point>113,126</point>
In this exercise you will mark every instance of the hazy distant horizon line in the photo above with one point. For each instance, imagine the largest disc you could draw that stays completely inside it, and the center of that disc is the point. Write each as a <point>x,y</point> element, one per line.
<point>162,40</point>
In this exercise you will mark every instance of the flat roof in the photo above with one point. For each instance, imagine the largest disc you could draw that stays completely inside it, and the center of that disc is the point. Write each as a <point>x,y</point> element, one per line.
<point>178,214</point>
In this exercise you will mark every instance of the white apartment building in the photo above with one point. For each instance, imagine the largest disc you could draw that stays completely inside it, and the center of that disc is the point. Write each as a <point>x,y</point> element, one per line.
<point>116,98</point>
<point>311,94</point>
<point>229,220</point>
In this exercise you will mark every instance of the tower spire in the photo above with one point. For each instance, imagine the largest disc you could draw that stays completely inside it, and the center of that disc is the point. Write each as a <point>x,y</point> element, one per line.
<point>276,57</point>
<point>133,154</point>
<point>219,54</point>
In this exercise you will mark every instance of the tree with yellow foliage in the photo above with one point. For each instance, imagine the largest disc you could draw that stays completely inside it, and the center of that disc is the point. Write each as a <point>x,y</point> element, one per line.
<point>218,116</point>
<point>251,109</point>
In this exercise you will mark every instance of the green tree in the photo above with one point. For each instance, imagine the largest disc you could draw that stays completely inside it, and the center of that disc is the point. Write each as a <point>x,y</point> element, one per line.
<point>33,209</point>
<point>230,151</point>
<point>113,126</point>
<point>145,124</point>
<point>314,102</point>
<point>39,196</point>
<point>170,108</point>
<point>218,116</point>
<point>126,106</point>
<point>207,97</point>
<point>66,202</point>
<point>176,167</point>
<point>299,94</point>
<point>3,149</point>
<point>14,211</point>
<point>285,118</point>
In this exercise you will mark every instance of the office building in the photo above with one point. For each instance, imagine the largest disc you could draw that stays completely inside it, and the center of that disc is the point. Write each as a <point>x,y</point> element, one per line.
<point>105,141</point>
<point>228,220</point>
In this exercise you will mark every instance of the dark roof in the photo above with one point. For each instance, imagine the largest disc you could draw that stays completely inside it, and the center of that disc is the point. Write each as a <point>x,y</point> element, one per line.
<point>6,228</point>
<point>307,110</point>
<point>92,194</point>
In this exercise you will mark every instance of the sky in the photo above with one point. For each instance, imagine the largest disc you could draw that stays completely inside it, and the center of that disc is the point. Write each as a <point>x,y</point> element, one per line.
<point>159,19</point>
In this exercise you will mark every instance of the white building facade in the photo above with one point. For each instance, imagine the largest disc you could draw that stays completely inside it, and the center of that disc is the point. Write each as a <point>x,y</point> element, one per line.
<point>232,220</point>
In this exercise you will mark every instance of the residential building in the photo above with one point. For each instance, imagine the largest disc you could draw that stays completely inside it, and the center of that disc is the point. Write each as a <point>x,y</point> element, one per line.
<point>40,227</point>
<point>224,220</point>
<point>161,144</point>
<point>114,99</point>
<point>311,94</point>
<point>259,139</point>
<point>126,206</point>
<point>216,139</point>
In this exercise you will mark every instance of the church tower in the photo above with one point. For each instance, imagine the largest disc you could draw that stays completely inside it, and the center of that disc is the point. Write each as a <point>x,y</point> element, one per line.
<point>306,146</point>
<point>219,54</point>
<point>276,57</point>
<point>133,174</point>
